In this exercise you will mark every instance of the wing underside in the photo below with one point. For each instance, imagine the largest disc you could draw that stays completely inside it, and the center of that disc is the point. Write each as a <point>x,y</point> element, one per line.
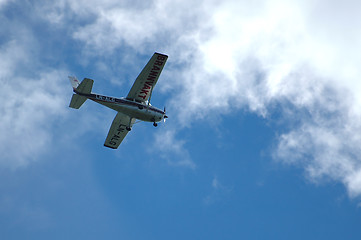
<point>145,82</point>
<point>118,131</point>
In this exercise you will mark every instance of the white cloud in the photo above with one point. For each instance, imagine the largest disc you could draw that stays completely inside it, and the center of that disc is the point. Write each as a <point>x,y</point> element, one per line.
<point>326,148</point>
<point>32,99</point>
<point>4,2</point>
<point>137,25</point>
<point>299,55</point>
<point>173,150</point>
<point>219,192</point>
<point>30,107</point>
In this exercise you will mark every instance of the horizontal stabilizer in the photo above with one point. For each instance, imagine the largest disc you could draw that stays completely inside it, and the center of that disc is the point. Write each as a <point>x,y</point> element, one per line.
<point>77,101</point>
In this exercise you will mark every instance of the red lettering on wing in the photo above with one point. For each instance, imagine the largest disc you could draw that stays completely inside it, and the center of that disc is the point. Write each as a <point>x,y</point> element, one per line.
<point>159,63</point>
<point>151,78</point>
<point>160,57</point>
<point>155,68</point>
<point>153,73</point>
<point>144,91</point>
<point>142,96</point>
<point>146,86</point>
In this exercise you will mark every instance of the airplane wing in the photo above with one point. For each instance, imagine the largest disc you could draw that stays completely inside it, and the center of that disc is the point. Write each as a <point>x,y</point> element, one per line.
<point>145,82</point>
<point>118,130</point>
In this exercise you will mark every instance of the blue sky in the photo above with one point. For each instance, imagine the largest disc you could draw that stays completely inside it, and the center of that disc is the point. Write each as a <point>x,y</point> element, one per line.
<point>263,136</point>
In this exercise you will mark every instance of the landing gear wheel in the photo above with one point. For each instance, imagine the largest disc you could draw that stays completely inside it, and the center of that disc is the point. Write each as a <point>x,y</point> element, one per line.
<point>128,129</point>
<point>155,124</point>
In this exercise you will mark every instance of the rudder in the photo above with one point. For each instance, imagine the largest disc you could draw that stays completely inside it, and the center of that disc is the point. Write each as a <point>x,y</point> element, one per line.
<point>74,82</point>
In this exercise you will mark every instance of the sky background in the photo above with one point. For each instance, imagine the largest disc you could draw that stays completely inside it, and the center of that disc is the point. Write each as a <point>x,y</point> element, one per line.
<point>262,141</point>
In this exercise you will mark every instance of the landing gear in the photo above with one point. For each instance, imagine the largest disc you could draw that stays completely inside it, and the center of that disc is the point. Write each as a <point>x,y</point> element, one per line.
<point>155,124</point>
<point>129,125</point>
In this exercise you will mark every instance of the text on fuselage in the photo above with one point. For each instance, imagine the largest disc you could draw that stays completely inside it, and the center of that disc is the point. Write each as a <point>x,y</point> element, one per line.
<point>104,98</point>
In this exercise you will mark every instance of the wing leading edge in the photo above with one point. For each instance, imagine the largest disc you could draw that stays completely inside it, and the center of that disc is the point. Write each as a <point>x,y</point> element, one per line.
<point>118,131</point>
<point>145,82</point>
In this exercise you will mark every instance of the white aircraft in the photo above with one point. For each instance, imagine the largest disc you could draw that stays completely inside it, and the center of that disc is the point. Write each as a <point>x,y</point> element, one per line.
<point>135,106</point>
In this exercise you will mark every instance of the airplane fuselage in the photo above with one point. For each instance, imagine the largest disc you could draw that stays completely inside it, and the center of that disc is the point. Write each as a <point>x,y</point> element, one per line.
<point>131,108</point>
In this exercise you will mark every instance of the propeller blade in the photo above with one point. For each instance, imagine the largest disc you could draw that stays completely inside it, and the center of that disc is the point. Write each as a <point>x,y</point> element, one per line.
<point>165,116</point>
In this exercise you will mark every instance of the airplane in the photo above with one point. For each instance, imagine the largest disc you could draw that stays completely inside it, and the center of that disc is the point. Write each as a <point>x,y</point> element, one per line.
<point>136,105</point>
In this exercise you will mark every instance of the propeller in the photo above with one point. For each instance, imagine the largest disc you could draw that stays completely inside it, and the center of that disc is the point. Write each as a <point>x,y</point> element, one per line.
<point>165,116</point>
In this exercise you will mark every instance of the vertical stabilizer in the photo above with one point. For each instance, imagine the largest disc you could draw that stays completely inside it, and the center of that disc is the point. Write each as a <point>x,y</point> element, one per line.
<point>74,82</point>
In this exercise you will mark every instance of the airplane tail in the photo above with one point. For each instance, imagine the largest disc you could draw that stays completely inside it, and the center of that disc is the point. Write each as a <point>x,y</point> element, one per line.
<point>83,87</point>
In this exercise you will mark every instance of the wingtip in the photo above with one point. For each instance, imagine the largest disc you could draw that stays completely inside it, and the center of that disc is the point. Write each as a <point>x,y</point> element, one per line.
<point>161,54</point>
<point>111,147</point>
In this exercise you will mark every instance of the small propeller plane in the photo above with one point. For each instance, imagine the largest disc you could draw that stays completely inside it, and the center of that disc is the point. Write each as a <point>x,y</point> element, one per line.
<point>135,106</point>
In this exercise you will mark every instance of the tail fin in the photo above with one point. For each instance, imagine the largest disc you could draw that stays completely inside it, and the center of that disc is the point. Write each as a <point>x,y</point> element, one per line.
<point>84,87</point>
<point>74,82</point>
